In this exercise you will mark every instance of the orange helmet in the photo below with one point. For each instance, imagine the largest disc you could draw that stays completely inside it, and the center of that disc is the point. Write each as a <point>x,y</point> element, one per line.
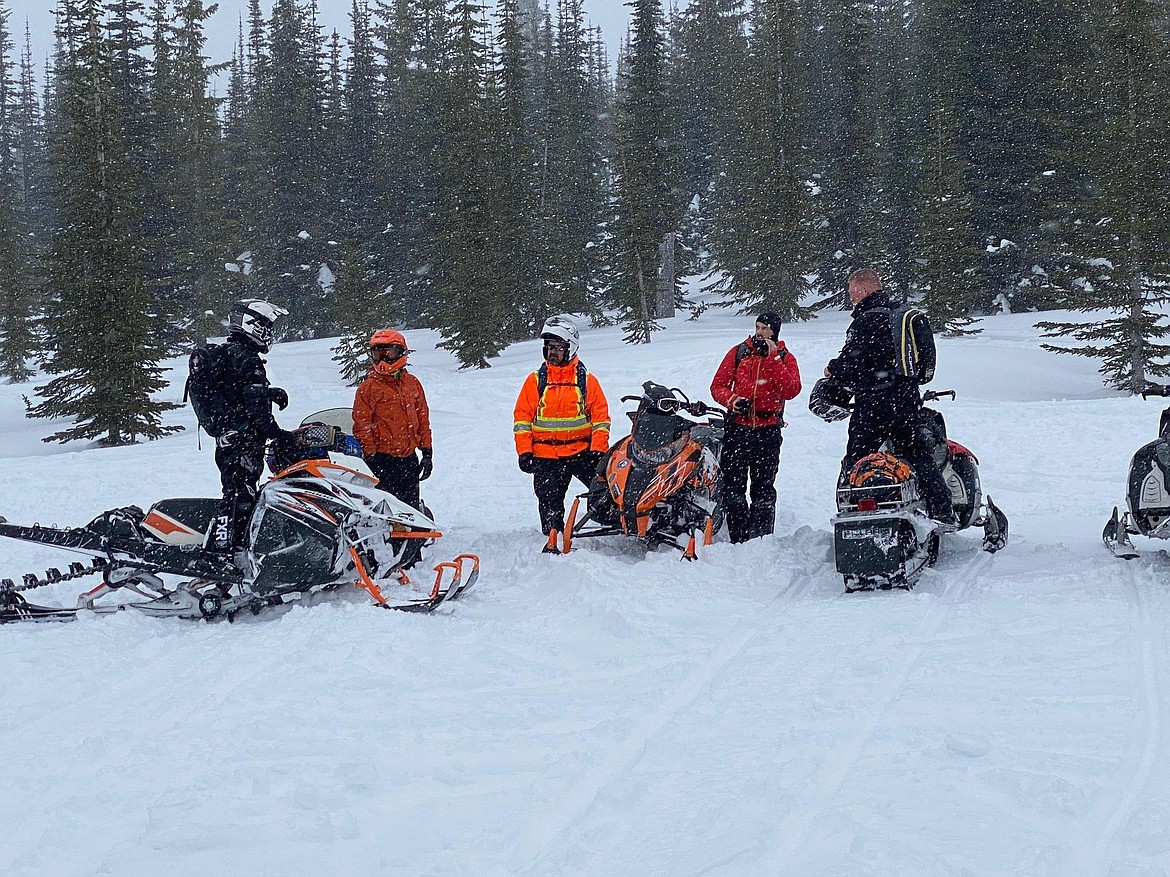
<point>879,470</point>
<point>389,351</point>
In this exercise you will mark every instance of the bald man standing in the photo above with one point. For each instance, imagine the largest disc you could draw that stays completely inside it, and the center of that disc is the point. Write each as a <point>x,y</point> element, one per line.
<point>886,405</point>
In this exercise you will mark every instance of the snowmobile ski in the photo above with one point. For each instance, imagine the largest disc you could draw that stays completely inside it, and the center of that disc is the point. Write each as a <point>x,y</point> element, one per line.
<point>440,595</point>
<point>1116,537</point>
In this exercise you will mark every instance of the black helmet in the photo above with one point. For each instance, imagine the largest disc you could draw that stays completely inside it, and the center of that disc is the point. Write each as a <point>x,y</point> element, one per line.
<point>829,400</point>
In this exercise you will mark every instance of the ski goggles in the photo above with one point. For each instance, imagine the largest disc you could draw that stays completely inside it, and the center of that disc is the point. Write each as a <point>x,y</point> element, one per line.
<point>670,405</point>
<point>388,351</point>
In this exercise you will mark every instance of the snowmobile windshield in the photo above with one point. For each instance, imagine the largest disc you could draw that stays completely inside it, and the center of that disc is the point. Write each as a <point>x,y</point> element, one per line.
<point>659,437</point>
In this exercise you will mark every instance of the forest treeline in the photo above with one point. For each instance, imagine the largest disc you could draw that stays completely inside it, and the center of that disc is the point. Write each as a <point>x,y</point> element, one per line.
<point>473,170</point>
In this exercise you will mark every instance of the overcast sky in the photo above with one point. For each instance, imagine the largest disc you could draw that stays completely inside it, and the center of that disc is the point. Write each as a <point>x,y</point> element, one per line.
<point>610,15</point>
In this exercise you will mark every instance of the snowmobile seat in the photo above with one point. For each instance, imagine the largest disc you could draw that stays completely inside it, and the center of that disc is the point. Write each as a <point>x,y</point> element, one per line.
<point>181,520</point>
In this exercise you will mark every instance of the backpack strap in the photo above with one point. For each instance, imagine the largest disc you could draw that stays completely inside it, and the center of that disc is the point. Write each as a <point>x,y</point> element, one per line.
<point>542,380</point>
<point>741,351</point>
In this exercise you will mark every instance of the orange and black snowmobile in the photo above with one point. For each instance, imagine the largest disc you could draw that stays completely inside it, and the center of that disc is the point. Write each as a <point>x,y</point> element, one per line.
<point>660,484</point>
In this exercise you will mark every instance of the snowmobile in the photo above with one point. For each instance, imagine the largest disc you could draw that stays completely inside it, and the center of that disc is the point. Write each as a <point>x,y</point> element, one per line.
<point>1147,494</point>
<point>319,524</point>
<point>882,536</point>
<point>661,484</point>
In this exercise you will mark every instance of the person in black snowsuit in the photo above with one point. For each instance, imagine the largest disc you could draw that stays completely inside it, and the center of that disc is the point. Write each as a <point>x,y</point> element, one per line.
<point>886,405</point>
<point>247,398</point>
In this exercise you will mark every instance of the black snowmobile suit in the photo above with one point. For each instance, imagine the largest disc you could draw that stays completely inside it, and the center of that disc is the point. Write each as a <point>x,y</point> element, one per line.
<point>239,452</point>
<point>885,405</point>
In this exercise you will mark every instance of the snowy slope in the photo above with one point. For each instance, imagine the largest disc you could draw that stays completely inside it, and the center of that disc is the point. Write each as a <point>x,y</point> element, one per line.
<point>609,713</point>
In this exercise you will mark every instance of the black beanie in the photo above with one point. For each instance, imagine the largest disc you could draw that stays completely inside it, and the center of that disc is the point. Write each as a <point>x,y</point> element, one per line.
<point>772,320</point>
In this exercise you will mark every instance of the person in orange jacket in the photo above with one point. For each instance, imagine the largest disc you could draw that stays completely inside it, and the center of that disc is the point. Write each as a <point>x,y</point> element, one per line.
<point>392,421</point>
<point>560,424</point>
<point>754,380</point>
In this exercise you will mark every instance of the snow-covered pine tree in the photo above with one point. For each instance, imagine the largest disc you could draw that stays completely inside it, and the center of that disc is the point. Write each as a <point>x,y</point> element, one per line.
<point>471,299</point>
<point>841,124</point>
<point>197,239</point>
<point>101,331</point>
<point>1123,267</point>
<point>648,198</point>
<point>761,233</point>
<point>571,201</point>
<point>707,64</point>
<point>947,258</point>
<point>30,221</point>
<point>361,303</point>
<point>1012,141</point>
<point>13,216</point>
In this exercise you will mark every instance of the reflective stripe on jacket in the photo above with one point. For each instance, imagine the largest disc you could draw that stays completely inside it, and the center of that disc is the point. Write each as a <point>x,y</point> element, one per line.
<point>561,423</point>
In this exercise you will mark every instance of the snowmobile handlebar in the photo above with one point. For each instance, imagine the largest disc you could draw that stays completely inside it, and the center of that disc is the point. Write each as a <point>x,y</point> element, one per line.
<point>673,405</point>
<point>1155,390</point>
<point>933,395</point>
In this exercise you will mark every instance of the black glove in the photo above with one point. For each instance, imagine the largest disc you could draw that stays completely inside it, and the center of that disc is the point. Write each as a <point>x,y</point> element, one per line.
<point>278,396</point>
<point>742,405</point>
<point>427,466</point>
<point>593,458</point>
<point>527,463</point>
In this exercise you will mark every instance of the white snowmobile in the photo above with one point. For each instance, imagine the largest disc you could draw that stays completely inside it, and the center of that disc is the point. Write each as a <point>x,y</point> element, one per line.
<point>1147,493</point>
<point>319,524</point>
<point>882,536</point>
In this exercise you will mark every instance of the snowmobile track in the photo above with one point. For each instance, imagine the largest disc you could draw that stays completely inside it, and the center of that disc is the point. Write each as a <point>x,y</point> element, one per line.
<point>793,828</point>
<point>534,849</point>
<point>1094,834</point>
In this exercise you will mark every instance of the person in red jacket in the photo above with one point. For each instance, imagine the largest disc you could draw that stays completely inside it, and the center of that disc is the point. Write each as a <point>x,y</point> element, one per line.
<point>753,382</point>
<point>392,421</point>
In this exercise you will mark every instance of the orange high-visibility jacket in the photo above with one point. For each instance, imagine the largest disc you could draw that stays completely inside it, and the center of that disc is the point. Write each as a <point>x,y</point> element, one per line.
<point>390,414</point>
<point>561,423</point>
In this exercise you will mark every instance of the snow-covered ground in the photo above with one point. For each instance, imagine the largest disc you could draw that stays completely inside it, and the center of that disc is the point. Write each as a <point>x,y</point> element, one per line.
<point>609,713</point>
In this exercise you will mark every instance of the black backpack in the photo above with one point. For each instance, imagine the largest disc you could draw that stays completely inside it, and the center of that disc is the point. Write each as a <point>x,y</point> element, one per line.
<point>207,376</point>
<point>914,354</point>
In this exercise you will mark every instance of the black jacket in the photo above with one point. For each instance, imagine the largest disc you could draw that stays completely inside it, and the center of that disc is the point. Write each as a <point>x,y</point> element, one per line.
<point>866,362</point>
<point>247,392</point>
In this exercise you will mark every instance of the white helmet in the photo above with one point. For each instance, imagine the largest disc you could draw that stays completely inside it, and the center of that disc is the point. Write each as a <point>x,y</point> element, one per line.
<point>255,319</point>
<point>562,328</point>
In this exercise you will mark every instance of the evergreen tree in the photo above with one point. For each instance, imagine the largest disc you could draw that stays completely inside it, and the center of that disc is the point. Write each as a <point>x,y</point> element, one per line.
<point>648,202</point>
<point>286,132</point>
<point>1124,267</point>
<point>13,295</point>
<point>761,231</point>
<point>708,68</point>
<point>189,147</point>
<point>843,136</point>
<point>947,256</point>
<point>512,110</point>
<point>361,304</point>
<point>29,222</point>
<point>1020,191</point>
<point>468,280</point>
<point>100,328</point>
<point>571,198</point>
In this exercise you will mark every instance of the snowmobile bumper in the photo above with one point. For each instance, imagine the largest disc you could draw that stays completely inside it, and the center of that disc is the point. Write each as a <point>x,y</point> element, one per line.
<point>883,550</point>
